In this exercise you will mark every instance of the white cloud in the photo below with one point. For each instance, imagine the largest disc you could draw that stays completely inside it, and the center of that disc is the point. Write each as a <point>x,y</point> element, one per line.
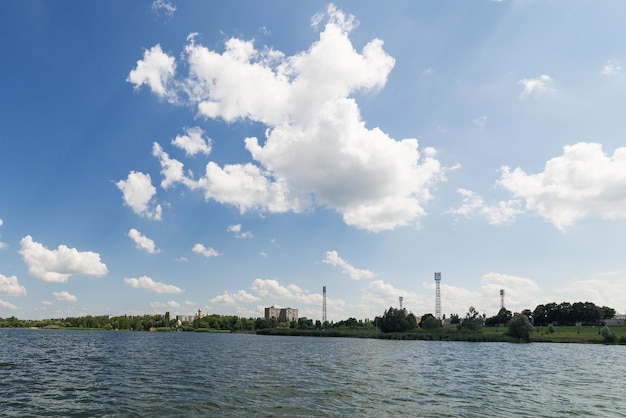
<point>11,286</point>
<point>193,142</point>
<point>7,305</point>
<point>317,147</point>
<point>537,86</point>
<point>64,296</point>
<point>138,193</point>
<point>145,282</point>
<point>205,251</point>
<point>236,229</point>
<point>171,169</point>
<point>272,290</point>
<point>161,305</point>
<point>611,67</point>
<point>603,291</point>
<point>378,296</point>
<point>501,213</point>
<point>520,293</point>
<point>332,258</point>
<point>155,70</point>
<point>142,242</point>
<point>584,182</point>
<point>60,264</point>
<point>2,244</point>
<point>231,299</point>
<point>165,6</point>
<point>481,121</point>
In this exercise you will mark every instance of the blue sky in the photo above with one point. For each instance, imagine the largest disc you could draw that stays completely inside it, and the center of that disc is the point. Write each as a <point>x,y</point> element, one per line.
<point>174,156</point>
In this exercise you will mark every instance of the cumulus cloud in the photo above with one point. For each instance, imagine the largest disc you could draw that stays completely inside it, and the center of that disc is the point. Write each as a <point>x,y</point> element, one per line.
<point>272,290</point>
<point>231,299</point>
<point>193,142</point>
<point>7,305</point>
<point>10,286</point>
<point>611,67</point>
<point>584,182</point>
<point>496,214</point>
<point>205,251</point>
<point>64,296</point>
<point>166,305</point>
<point>603,291</point>
<point>236,229</point>
<point>142,242</point>
<point>316,148</point>
<point>156,69</point>
<point>60,264</point>
<point>537,86</point>
<point>379,296</point>
<point>138,193</point>
<point>145,282</point>
<point>332,258</point>
<point>520,293</point>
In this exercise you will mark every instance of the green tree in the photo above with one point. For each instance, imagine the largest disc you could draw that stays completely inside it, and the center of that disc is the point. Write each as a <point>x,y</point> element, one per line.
<point>607,313</point>
<point>503,317</point>
<point>520,327</point>
<point>428,321</point>
<point>396,320</point>
<point>472,320</point>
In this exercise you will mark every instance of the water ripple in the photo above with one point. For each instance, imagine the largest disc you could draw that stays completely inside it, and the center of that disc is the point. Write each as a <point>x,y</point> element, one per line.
<point>88,373</point>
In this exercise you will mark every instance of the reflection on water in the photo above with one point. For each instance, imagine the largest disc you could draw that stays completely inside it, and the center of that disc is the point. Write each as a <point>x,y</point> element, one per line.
<point>93,373</point>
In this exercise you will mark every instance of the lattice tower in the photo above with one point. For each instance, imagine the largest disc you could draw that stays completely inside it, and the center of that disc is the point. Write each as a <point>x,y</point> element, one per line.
<point>324,320</point>
<point>437,295</point>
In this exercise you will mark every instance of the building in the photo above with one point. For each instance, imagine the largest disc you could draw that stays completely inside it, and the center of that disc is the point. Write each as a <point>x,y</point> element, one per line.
<point>281,314</point>
<point>190,318</point>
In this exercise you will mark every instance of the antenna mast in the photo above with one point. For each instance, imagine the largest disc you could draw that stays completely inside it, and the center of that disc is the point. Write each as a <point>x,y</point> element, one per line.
<point>324,320</point>
<point>437,295</point>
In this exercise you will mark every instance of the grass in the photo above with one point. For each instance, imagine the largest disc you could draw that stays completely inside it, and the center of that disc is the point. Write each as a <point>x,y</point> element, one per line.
<point>561,334</point>
<point>566,334</point>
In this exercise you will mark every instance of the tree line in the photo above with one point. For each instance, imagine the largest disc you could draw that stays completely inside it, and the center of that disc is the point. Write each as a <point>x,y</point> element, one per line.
<point>393,320</point>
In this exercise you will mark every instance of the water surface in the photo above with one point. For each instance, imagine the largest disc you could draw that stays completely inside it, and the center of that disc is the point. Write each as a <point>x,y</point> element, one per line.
<point>104,373</point>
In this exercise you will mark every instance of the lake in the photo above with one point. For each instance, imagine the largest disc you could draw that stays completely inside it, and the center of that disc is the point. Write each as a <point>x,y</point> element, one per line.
<point>105,373</point>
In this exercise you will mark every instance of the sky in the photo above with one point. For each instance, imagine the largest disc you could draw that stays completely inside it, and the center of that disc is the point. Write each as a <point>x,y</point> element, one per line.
<point>229,156</point>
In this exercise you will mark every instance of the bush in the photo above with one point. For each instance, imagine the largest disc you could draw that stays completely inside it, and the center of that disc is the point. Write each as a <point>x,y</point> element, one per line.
<point>520,328</point>
<point>608,336</point>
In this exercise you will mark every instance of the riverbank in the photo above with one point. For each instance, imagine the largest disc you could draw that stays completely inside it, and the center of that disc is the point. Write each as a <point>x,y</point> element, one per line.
<point>560,334</point>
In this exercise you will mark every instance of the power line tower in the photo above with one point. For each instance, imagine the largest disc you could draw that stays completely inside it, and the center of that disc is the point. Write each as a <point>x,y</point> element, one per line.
<point>501,298</point>
<point>324,320</point>
<point>437,295</point>
<point>400,298</point>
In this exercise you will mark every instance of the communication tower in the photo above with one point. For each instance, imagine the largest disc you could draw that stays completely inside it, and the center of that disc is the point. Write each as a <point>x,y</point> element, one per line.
<point>437,295</point>
<point>400,298</point>
<point>324,309</point>
<point>501,298</point>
